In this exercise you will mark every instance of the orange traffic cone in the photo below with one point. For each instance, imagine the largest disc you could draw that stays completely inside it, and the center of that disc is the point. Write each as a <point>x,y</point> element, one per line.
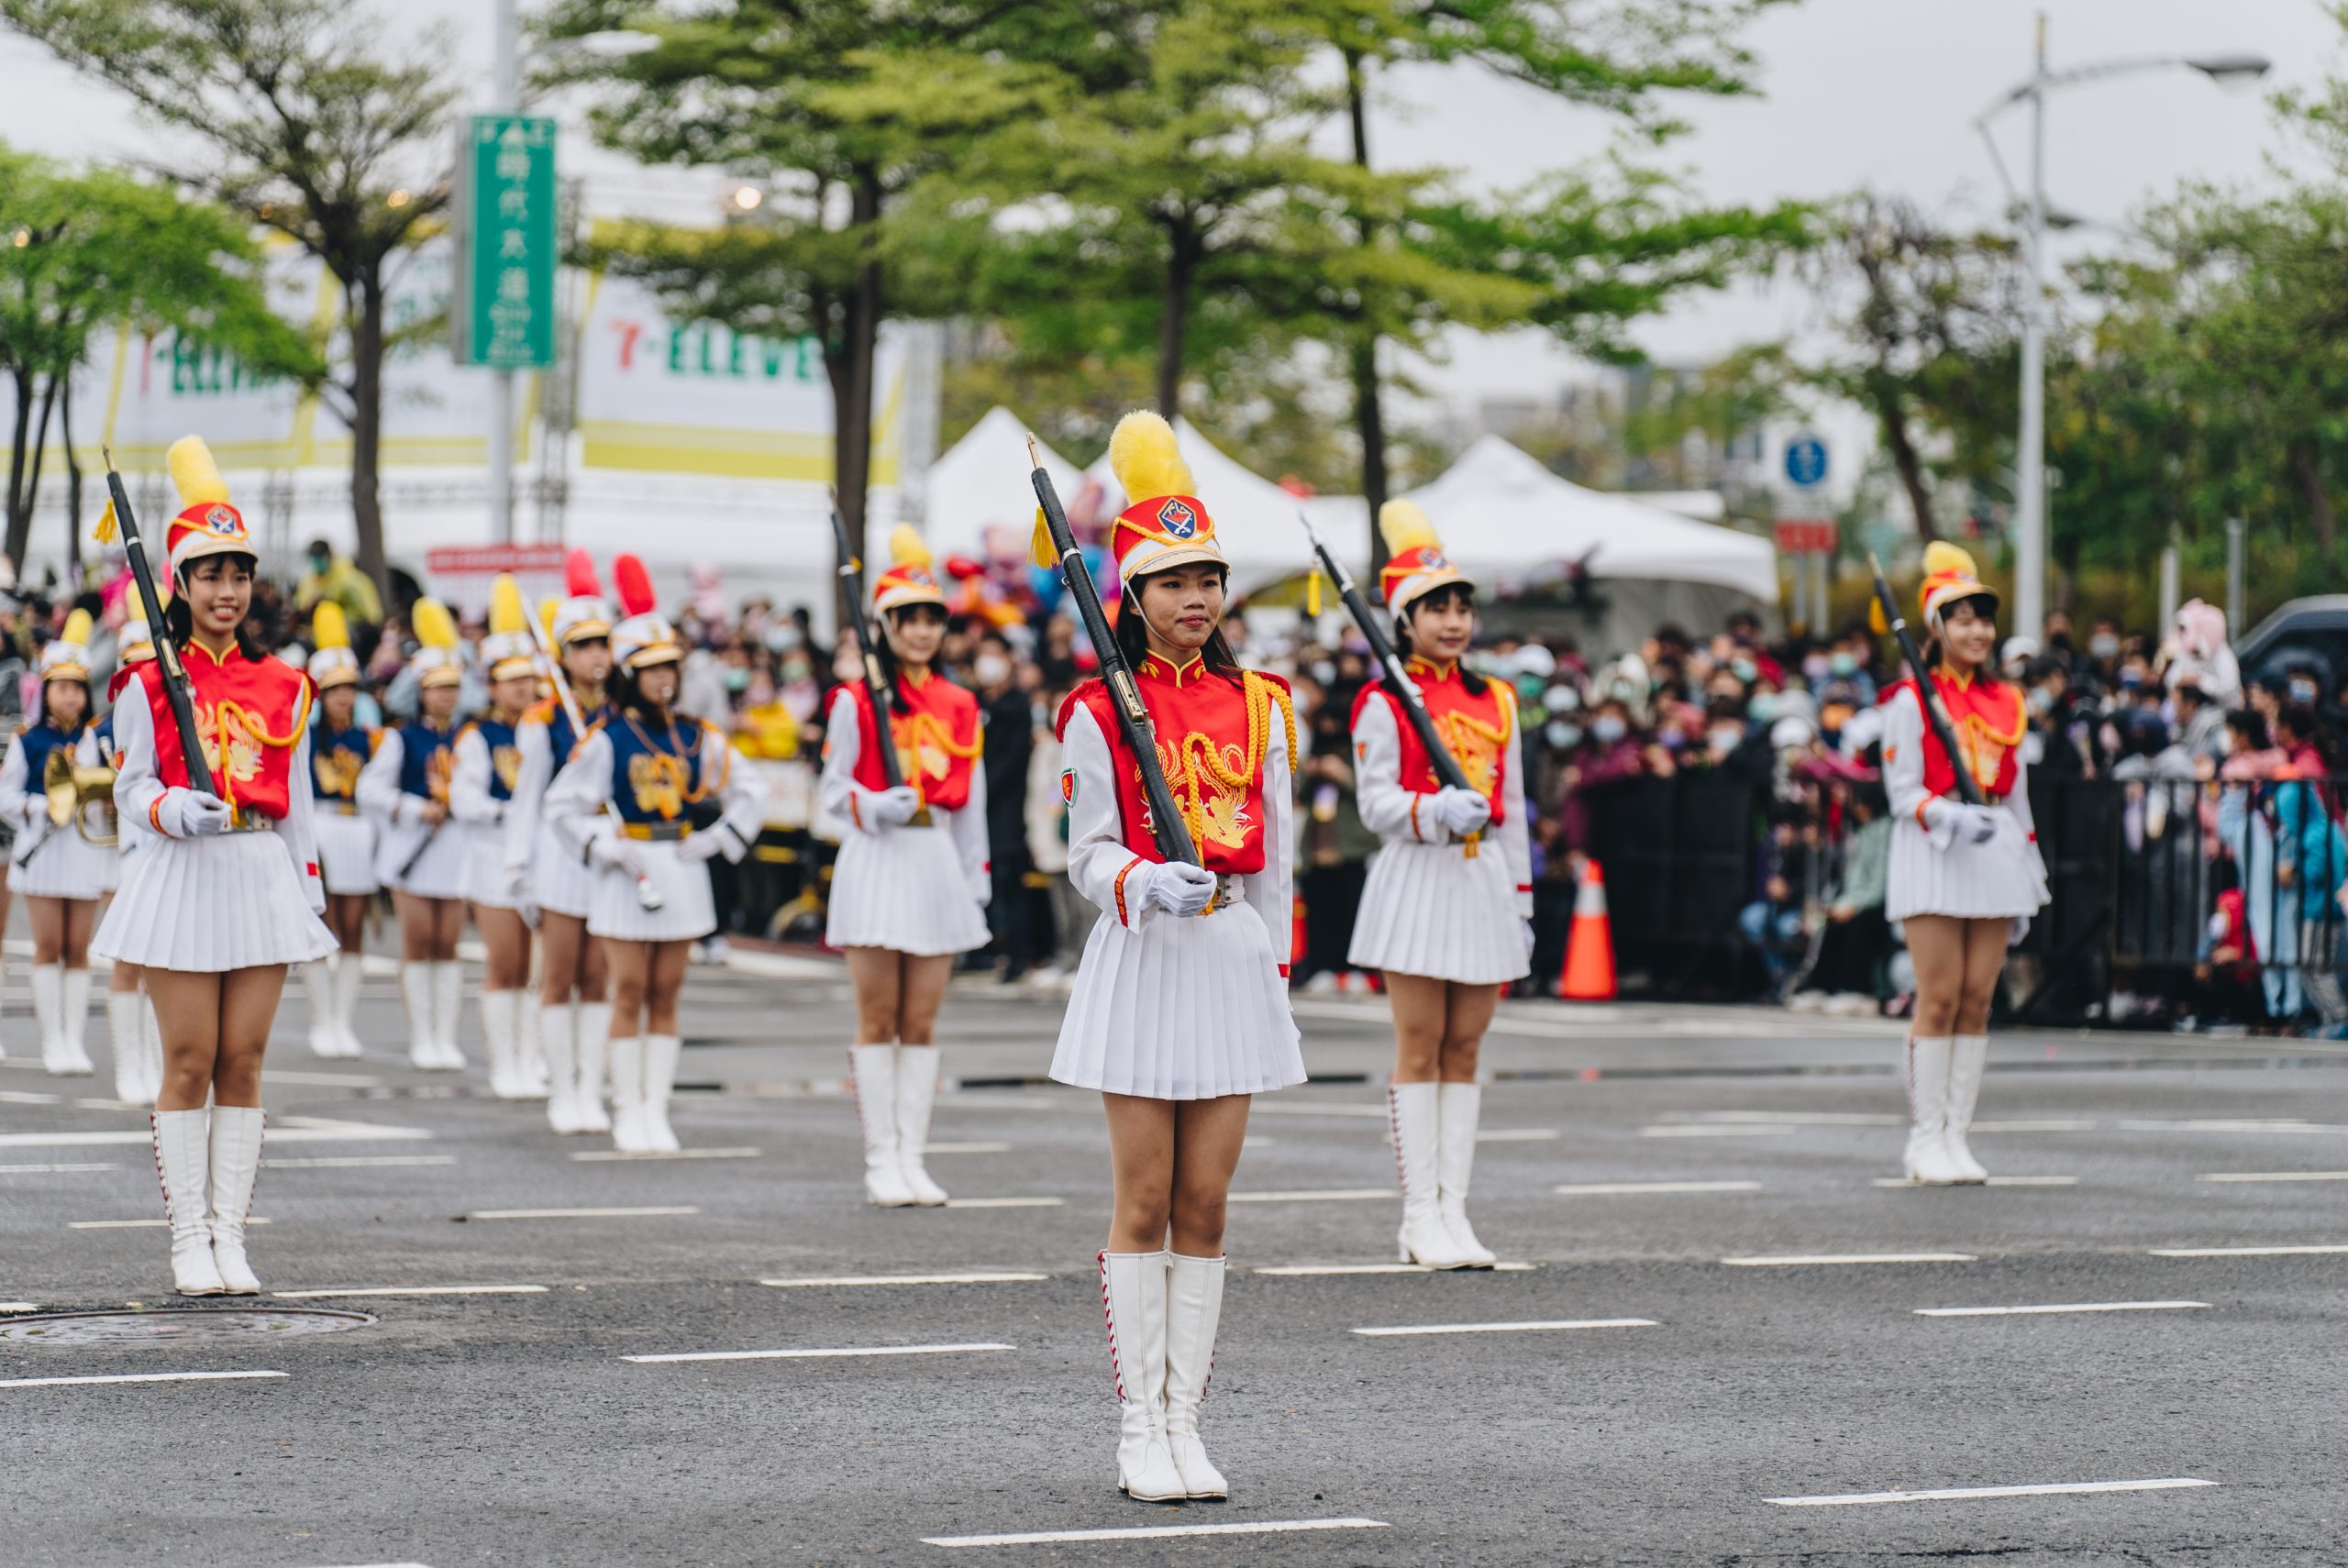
<point>1590,945</point>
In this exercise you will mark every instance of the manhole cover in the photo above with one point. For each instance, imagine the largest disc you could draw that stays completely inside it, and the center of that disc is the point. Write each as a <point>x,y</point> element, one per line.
<point>174,1325</point>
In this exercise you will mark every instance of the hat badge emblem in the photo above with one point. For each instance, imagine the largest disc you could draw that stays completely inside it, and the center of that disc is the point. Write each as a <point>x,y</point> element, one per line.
<point>223,522</point>
<point>1179,518</point>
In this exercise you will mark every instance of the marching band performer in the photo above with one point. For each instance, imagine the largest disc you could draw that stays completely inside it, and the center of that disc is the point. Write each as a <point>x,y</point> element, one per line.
<point>340,748</point>
<point>219,893</point>
<point>130,1018</point>
<point>647,796</point>
<point>909,891</point>
<point>479,787</point>
<point>1181,1008</point>
<point>574,1020</point>
<point>1964,879</point>
<point>405,787</point>
<point>61,874</point>
<point>1446,912</point>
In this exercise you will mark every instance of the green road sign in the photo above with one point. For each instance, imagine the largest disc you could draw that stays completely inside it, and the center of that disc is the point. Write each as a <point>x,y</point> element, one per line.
<point>507,247</point>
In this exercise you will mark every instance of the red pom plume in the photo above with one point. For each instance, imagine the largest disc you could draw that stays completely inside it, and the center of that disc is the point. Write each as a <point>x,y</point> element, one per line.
<point>578,576</point>
<point>964,567</point>
<point>635,585</point>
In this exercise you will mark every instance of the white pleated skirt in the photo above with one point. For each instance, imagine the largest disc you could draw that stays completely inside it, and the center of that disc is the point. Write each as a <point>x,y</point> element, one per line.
<point>1187,1008</point>
<point>1427,909</point>
<point>903,889</point>
<point>485,880</point>
<point>687,912</point>
<point>346,850</point>
<point>559,879</point>
<point>439,871</point>
<point>2002,879</point>
<point>65,865</point>
<point>206,905</point>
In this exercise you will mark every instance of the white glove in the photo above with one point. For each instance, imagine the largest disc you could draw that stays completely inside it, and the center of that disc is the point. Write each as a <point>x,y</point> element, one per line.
<point>702,846</point>
<point>1463,811</point>
<point>896,807</point>
<point>184,814</point>
<point>1180,888</point>
<point>1978,824</point>
<point>35,806</point>
<point>518,885</point>
<point>1531,940</point>
<point>608,853</point>
<point>982,888</point>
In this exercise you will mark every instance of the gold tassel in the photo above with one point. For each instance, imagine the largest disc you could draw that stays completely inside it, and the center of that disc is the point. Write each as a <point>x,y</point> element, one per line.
<point>108,529</point>
<point>1039,546</point>
<point>1313,594</point>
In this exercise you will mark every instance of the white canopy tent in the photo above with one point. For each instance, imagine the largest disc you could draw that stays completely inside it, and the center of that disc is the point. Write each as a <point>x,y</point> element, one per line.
<point>978,499</point>
<point>1255,519</point>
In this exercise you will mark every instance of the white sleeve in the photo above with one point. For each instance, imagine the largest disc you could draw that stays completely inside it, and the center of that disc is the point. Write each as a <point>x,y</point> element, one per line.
<point>1387,809</point>
<point>136,786</point>
<point>968,827</point>
<point>535,743</point>
<point>1099,863</point>
<point>575,801</point>
<point>469,797</point>
<point>741,789</point>
<point>1272,892</point>
<point>845,800</point>
<point>378,785</point>
<point>1903,770</point>
<point>1516,828</point>
<point>300,829</point>
<point>2018,802</point>
<point>16,800</point>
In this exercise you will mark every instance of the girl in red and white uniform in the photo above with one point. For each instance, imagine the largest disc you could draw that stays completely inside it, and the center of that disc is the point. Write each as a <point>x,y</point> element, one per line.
<point>480,789</point>
<point>910,888</point>
<point>340,748</point>
<point>647,797</point>
<point>1447,909</point>
<point>1966,880</point>
<point>1180,1011</point>
<point>60,875</point>
<point>219,892</point>
<point>130,1017</point>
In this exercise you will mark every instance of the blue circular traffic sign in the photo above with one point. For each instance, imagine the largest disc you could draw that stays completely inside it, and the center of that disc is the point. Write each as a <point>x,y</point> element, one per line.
<point>1806,460</point>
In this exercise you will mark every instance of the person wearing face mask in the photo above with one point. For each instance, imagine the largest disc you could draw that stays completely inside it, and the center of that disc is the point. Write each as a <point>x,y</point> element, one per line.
<point>911,883</point>
<point>1966,880</point>
<point>1448,911</point>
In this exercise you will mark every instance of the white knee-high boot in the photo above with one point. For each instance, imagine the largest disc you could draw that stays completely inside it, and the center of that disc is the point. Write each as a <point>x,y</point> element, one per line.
<point>500,1029</point>
<point>529,1048</point>
<point>872,1074</point>
<point>661,1054</point>
<point>235,1162</point>
<point>4,992</point>
<point>349,969</point>
<point>126,1031</point>
<point>1193,1313</point>
<point>48,1006</point>
<point>75,1020</point>
<point>1968,1055</point>
<point>1927,1160</point>
<point>448,1012</point>
<point>415,990</point>
<point>560,1051</point>
<point>595,1037</point>
<point>1133,1297</point>
<point>916,1091</point>
<point>183,1165</point>
<point>1411,1119</point>
<point>1458,1109</point>
<point>318,985</point>
<point>629,1132</point>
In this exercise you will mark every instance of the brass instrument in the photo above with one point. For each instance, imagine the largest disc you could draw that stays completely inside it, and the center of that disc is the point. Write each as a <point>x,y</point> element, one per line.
<point>74,792</point>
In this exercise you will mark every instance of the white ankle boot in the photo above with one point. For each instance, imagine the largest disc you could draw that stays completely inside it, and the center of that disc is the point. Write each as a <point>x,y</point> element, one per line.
<point>872,1071</point>
<point>415,990</point>
<point>184,1164</point>
<point>499,1021</point>
<point>77,1020</point>
<point>529,1048</point>
<point>1458,1109</point>
<point>916,1091</point>
<point>627,1096</point>
<point>1410,1112</point>
<point>561,1049</point>
<point>595,1037</point>
<point>126,1033</point>
<point>349,969</point>
<point>235,1162</point>
<point>661,1054</point>
<point>318,985</point>
<point>1133,1292</point>
<point>1193,1312</point>
<point>1927,1161</point>
<point>1968,1055</point>
<point>447,1014</point>
<point>49,1012</point>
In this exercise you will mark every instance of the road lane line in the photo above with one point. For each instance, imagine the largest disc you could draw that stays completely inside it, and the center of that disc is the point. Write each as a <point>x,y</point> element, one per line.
<point>134,1377</point>
<point>1519,1135</point>
<point>2215,1175</point>
<point>630,1157</point>
<point>2243,1252</point>
<point>966,1148</point>
<point>2077,1126</point>
<point>1152,1532</point>
<point>54,1170</point>
<point>1317,1194</point>
<point>1718,1129</point>
<point>1962,1493</point>
<point>412,1290</point>
<point>583,1213</point>
<point>1300,1271</point>
<point>844,1280</point>
<point>2223,1124</point>
<point>1405,1330</point>
<point>1801,1259</point>
<point>2074,1307</point>
<point>134,1225</point>
<point>19,1306</point>
<point>1367,1112</point>
<point>1802,1119</point>
<point>357,1161</point>
<point>816,1354</point>
<point>1902,1184</point>
<point>1004,1203</point>
<point>1632,1188</point>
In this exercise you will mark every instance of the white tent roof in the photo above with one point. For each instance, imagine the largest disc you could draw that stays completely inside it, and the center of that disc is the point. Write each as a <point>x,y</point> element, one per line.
<point>1255,519</point>
<point>983,483</point>
<point>1500,512</point>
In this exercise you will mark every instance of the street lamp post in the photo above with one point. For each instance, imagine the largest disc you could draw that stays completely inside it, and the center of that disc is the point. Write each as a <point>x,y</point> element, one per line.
<point>505,96</point>
<point>2030,502</point>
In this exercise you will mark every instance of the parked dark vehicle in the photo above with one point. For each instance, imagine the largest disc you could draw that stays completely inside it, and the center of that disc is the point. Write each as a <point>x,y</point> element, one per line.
<point>2301,634</point>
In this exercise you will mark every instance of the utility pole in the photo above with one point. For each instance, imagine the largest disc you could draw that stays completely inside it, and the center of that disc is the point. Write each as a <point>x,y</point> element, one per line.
<point>2030,523</point>
<point>505,95</point>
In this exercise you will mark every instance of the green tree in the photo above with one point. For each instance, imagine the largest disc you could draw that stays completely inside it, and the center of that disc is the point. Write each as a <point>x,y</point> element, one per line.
<point>319,128</point>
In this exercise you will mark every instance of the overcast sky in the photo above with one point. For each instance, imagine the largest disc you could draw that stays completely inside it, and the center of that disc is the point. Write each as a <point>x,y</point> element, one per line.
<point>1873,92</point>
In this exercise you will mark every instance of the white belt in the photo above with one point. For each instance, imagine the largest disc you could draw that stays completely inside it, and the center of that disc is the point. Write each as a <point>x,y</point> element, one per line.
<point>1230,887</point>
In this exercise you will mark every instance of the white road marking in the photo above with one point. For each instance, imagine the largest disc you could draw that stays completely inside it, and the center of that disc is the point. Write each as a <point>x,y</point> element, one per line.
<point>1519,1135</point>
<point>323,1080</point>
<point>283,1130</point>
<point>1961,1494</point>
<point>51,1170</point>
<point>1805,1119</point>
<point>1903,1183</point>
<point>2031,1126</point>
<point>1367,1112</point>
<point>850,1279</point>
<point>1318,1195</point>
<point>1298,1271</point>
<point>2230,1124</point>
<point>19,1097</point>
<point>1151,1532</point>
<point>1717,1130</point>
<point>134,1225</point>
<point>1004,1203</point>
<point>1801,1259</point>
<point>817,1354</point>
<point>585,1213</point>
<point>134,1377</point>
<point>2042,1311</point>
<point>1629,1188</point>
<point>2217,1175</point>
<point>2243,1252</point>
<point>19,1306</point>
<point>966,1148</point>
<point>628,1156</point>
<point>357,1161</point>
<point>413,1291</point>
<point>1509,1328</point>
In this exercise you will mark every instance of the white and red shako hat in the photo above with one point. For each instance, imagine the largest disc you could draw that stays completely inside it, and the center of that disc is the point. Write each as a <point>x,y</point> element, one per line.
<point>1164,526</point>
<point>643,637</point>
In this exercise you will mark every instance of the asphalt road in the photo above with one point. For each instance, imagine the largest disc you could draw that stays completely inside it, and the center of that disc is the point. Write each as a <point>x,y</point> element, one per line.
<point>510,1427</point>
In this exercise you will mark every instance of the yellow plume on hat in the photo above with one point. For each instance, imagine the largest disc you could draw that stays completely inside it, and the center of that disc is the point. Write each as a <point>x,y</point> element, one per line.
<point>547,609</point>
<point>1147,459</point>
<point>328,627</point>
<point>435,628</point>
<point>907,547</point>
<point>194,473</point>
<point>1404,526</point>
<point>1940,557</point>
<point>77,629</point>
<point>505,611</point>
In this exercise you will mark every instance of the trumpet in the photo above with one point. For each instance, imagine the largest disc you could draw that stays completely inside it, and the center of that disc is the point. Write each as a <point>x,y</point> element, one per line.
<point>83,797</point>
